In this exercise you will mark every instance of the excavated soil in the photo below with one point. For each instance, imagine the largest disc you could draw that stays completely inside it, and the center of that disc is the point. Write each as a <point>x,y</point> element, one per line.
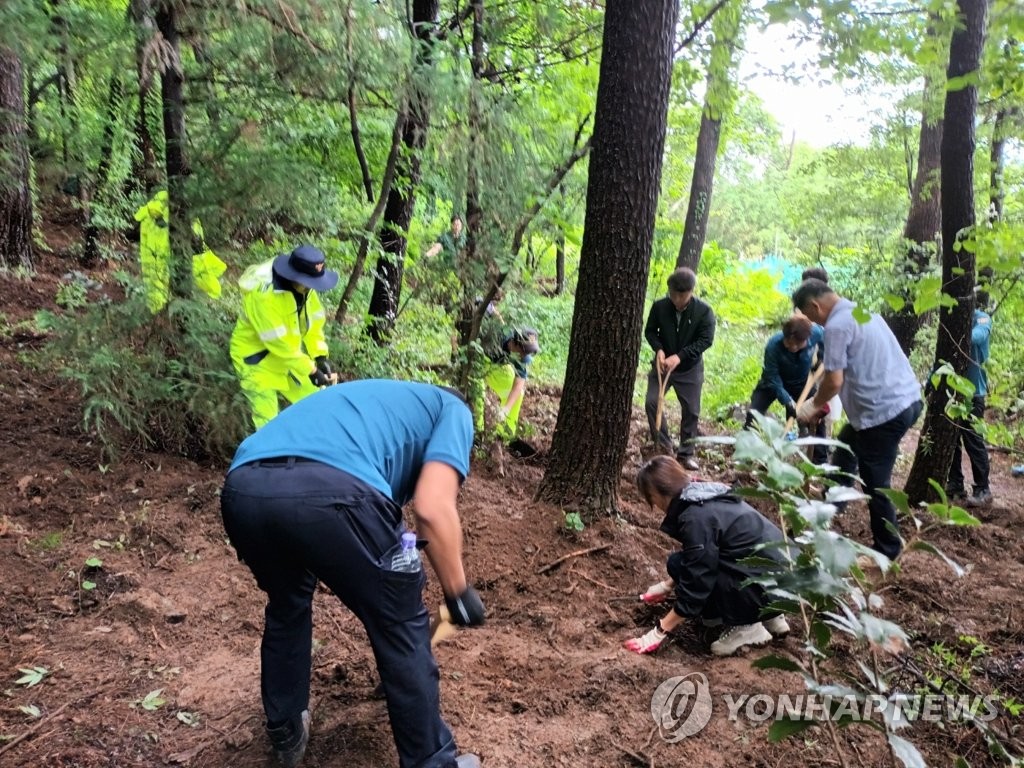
<point>544,683</point>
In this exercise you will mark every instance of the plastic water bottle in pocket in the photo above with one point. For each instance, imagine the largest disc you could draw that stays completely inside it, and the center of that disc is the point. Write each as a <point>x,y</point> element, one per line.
<point>408,559</point>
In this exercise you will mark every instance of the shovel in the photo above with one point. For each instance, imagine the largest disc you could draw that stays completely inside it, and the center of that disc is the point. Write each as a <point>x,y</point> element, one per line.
<point>441,626</point>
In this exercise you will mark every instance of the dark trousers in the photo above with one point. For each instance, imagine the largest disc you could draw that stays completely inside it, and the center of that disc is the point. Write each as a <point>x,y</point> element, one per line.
<point>294,522</point>
<point>873,451</point>
<point>728,601</point>
<point>687,386</point>
<point>974,445</point>
<point>762,399</point>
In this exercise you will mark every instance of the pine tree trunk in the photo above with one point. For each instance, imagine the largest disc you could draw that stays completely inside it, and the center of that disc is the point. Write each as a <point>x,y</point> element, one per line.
<point>398,213</point>
<point>145,171</point>
<point>15,190</point>
<point>589,444</point>
<point>90,252</point>
<point>173,98</point>
<point>997,165</point>
<point>924,221</point>
<point>717,100</point>
<point>938,435</point>
<point>560,264</point>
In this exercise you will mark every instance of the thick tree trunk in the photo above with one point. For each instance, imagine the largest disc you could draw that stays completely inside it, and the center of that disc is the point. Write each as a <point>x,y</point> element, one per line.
<point>938,435</point>
<point>398,213</point>
<point>924,220</point>
<point>589,444</point>
<point>15,190</point>
<point>176,160</point>
<point>717,100</point>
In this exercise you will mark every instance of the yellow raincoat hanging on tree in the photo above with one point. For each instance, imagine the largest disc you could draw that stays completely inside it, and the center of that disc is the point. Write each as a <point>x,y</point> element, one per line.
<point>155,255</point>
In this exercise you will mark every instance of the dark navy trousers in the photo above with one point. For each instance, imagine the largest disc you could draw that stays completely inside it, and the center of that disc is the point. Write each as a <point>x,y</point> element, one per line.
<point>295,521</point>
<point>873,452</point>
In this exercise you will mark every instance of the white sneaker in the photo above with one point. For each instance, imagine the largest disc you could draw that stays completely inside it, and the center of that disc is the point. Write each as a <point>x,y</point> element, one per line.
<point>778,626</point>
<point>739,637</point>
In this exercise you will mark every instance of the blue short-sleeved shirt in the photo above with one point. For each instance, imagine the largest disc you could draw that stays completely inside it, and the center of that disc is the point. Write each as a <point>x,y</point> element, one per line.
<point>878,382</point>
<point>379,431</point>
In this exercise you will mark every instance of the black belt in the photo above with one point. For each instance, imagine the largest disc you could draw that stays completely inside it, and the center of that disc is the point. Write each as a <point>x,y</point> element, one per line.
<point>280,461</point>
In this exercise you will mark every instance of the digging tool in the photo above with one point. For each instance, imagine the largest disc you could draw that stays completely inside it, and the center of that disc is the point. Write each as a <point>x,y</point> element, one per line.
<point>812,378</point>
<point>662,389</point>
<point>441,626</point>
<point>626,599</point>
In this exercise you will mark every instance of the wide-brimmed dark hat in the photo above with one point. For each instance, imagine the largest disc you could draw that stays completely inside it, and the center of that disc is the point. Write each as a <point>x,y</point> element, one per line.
<point>305,266</point>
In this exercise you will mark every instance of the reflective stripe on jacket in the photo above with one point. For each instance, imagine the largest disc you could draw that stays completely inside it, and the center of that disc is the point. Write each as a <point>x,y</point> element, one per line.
<point>273,332</point>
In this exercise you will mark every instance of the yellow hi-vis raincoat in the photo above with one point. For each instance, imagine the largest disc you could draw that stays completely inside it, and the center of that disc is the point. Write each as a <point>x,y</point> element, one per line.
<point>274,344</point>
<point>155,255</point>
<point>155,250</point>
<point>206,266</point>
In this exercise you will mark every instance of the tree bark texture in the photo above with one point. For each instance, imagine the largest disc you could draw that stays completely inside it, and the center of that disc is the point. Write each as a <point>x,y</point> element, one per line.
<point>15,191</point>
<point>924,220</point>
<point>938,435</point>
<point>997,165</point>
<point>398,213</point>
<point>91,188</point>
<point>592,431</point>
<point>172,84</point>
<point>717,100</point>
<point>145,170</point>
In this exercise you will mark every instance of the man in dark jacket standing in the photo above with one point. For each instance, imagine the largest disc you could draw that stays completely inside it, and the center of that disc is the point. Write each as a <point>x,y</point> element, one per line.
<point>679,329</point>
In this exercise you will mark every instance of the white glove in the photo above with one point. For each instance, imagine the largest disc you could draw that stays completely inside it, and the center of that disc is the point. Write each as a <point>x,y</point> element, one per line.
<point>657,593</point>
<point>647,643</point>
<point>808,412</point>
<point>502,414</point>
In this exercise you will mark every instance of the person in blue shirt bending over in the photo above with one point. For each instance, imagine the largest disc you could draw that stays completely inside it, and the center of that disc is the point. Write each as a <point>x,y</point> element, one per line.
<point>788,357</point>
<point>974,443</point>
<point>317,494</point>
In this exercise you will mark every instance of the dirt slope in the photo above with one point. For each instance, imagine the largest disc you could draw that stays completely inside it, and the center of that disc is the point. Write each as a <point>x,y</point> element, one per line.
<point>544,683</point>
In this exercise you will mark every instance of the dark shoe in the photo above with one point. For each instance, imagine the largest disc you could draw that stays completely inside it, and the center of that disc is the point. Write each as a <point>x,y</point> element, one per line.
<point>289,746</point>
<point>978,499</point>
<point>954,493</point>
<point>688,462</point>
<point>467,761</point>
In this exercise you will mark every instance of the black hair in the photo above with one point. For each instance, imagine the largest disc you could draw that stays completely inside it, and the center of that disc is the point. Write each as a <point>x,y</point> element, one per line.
<point>808,291</point>
<point>682,280</point>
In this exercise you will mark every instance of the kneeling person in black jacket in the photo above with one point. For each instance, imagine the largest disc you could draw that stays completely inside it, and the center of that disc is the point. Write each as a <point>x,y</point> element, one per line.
<point>717,531</point>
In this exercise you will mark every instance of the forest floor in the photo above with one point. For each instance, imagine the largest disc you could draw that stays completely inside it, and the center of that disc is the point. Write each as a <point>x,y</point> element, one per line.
<point>545,683</point>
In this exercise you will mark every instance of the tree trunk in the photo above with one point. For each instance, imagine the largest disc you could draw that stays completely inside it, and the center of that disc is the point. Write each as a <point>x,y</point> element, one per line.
<point>398,213</point>
<point>938,435</point>
<point>589,444</point>
<point>560,264</point>
<point>923,222</point>
<point>465,327</point>
<point>997,166</point>
<point>92,187</point>
<point>176,161</point>
<point>145,169</point>
<point>15,190</point>
<point>717,101</point>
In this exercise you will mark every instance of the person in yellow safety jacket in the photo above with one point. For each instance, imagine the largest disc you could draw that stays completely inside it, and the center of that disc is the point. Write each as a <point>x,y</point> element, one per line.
<point>155,255</point>
<point>278,345</point>
<point>507,376</point>
<point>155,250</point>
<point>207,267</point>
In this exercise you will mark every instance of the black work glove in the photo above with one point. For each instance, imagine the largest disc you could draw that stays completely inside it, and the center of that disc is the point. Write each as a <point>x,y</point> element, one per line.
<point>790,410</point>
<point>323,365</point>
<point>319,378</point>
<point>467,610</point>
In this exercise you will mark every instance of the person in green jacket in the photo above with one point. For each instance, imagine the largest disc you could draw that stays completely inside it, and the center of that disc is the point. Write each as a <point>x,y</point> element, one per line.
<point>278,346</point>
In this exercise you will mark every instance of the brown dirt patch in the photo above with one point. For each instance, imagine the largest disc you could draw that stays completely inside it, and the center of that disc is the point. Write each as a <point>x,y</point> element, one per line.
<point>545,683</point>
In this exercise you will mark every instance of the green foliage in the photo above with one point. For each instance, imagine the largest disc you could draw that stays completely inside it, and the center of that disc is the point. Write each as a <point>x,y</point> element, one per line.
<point>32,676</point>
<point>825,585</point>
<point>156,383</point>
<point>572,522</point>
